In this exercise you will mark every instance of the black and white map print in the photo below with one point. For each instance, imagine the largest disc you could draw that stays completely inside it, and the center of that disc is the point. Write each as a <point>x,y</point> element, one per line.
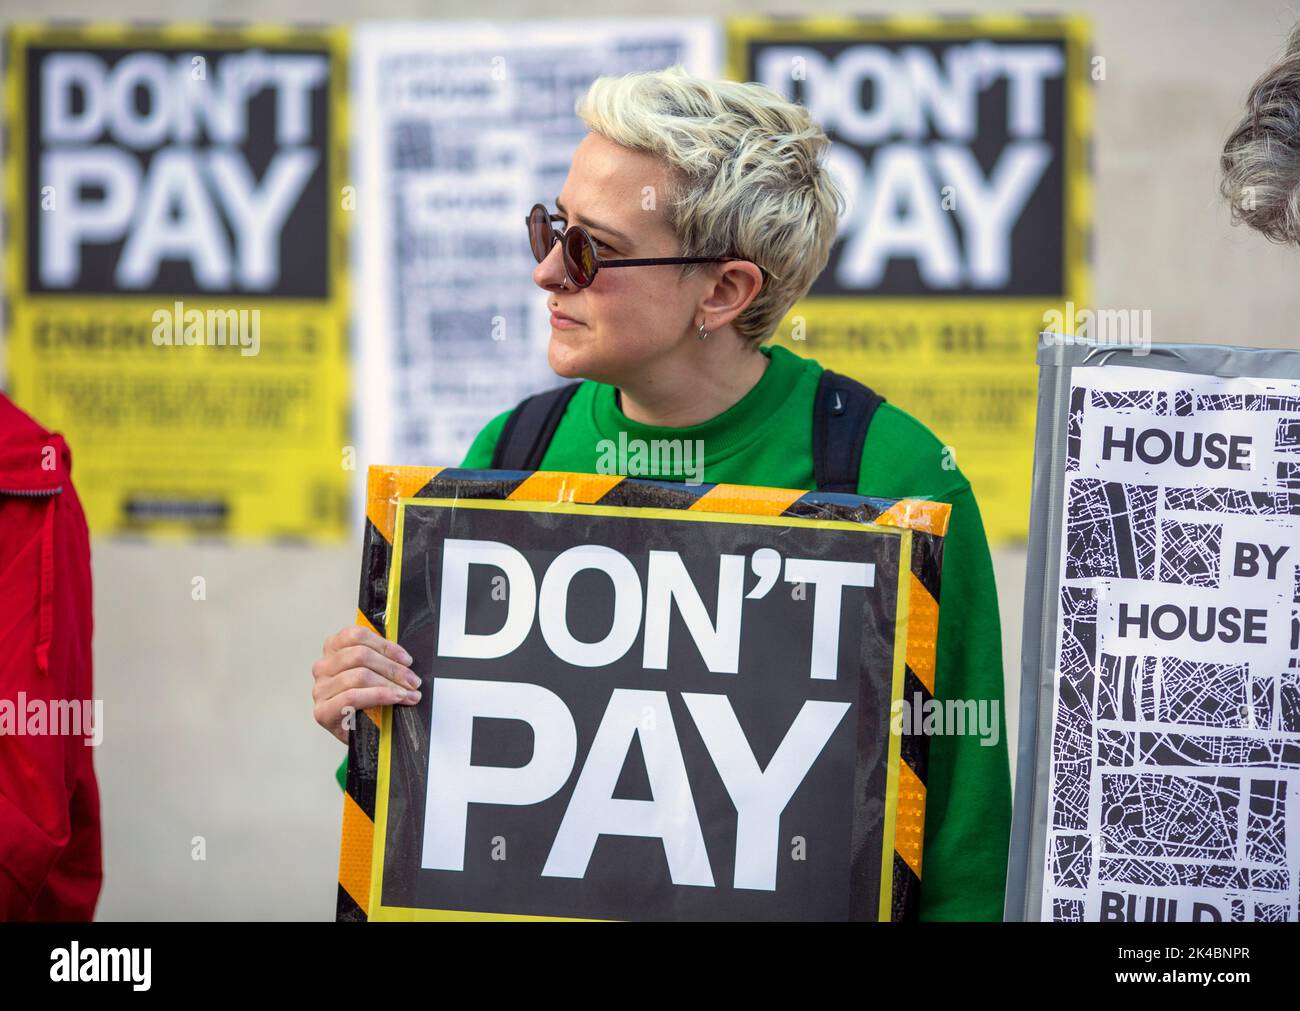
<point>1174,787</point>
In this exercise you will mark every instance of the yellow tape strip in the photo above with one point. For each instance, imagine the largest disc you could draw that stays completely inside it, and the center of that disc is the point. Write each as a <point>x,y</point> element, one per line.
<point>894,762</point>
<point>355,853</point>
<point>922,632</point>
<point>746,500</point>
<point>558,486</point>
<point>909,822</point>
<point>917,514</point>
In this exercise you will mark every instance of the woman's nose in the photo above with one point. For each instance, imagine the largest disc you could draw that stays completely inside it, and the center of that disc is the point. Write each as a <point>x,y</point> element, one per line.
<point>549,274</point>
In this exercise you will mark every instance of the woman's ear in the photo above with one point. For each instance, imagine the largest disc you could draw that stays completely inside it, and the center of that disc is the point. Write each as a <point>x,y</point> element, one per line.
<point>737,284</point>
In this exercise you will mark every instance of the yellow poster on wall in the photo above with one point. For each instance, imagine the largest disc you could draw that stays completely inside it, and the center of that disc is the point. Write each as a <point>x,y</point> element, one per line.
<point>175,269</point>
<point>961,147</point>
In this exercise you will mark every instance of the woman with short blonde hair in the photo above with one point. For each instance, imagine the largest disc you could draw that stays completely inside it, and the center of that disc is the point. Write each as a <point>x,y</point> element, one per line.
<point>695,215</point>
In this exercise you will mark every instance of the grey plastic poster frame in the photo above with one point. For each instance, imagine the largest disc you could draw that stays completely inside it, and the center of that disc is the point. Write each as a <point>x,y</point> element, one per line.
<point>1057,357</point>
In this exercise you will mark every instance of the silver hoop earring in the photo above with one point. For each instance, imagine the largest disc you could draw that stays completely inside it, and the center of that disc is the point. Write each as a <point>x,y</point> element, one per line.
<point>703,334</point>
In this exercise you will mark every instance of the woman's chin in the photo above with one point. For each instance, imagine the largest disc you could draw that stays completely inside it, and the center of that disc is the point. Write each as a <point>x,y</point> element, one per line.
<point>564,358</point>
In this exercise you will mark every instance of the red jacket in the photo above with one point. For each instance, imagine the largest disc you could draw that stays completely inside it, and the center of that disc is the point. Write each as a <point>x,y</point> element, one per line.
<point>50,857</point>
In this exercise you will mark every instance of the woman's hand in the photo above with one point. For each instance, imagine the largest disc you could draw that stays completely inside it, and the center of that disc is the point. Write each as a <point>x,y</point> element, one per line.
<point>357,670</point>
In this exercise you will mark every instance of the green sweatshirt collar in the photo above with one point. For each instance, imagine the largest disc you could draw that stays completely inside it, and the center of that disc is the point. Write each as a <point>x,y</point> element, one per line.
<point>721,435</point>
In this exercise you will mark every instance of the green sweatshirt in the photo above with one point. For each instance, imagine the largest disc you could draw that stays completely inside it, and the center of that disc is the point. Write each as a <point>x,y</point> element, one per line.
<point>766,439</point>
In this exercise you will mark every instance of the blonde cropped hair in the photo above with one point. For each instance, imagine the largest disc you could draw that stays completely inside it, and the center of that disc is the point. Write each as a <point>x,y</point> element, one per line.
<point>747,175</point>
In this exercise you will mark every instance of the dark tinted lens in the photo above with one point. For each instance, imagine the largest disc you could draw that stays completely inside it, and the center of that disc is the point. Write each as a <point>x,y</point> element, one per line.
<point>540,234</point>
<point>579,256</point>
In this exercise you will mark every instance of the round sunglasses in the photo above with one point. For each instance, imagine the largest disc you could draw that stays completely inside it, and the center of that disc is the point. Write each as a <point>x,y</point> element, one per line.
<point>580,260</point>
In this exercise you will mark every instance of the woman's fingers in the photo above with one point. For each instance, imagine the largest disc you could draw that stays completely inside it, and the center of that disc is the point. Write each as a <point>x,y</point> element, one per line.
<point>364,656</point>
<point>331,713</point>
<point>361,677</point>
<point>332,664</point>
<point>359,669</point>
<point>359,635</point>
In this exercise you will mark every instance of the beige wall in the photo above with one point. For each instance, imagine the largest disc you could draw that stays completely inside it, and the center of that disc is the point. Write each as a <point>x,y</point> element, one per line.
<point>207,710</point>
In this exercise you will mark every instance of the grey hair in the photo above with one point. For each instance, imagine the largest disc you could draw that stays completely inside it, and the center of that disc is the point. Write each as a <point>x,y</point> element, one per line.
<point>747,175</point>
<point>1261,159</point>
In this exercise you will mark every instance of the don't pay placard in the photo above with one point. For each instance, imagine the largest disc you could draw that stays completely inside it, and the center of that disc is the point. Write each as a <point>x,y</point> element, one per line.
<point>640,713</point>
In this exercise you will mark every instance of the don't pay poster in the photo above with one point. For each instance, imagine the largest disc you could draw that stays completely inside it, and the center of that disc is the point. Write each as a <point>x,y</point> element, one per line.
<point>175,270</point>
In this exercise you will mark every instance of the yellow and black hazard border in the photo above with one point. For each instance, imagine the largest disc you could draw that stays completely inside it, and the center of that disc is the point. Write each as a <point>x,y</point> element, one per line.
<point>924,524</point>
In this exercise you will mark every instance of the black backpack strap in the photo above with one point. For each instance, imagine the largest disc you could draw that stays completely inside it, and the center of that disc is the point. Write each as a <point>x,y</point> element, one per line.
<point>530,427</point>
<point>842,414</point>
